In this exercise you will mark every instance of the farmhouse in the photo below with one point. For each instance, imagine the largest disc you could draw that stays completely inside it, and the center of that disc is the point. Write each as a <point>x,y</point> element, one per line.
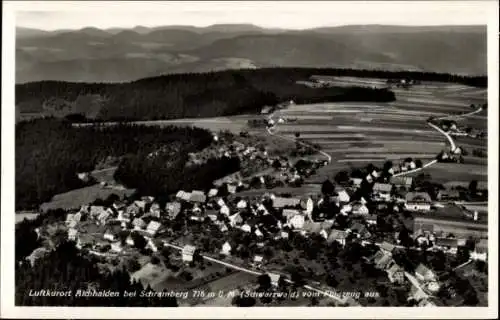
<point>198,197</point>
<point>257,261</point>
<point>279,202</point>
<point>183,195</point>
<point>418,201</point>
<point>188,253</point>
<point>229,179</point>
<point>448,195</point>
<point>424,274</point>
<point>226,248</point>
<point>343,196</point>
<point>382,190</point>
<point>337,235</point>
<point>297,221</point>
<point>443,226</point>
<point>396,274</point>
<point>371,219</point>
<point>360,209</point>
<point>382,259</point>
<point>153,228</point>
<point>173,209</point>
<point>109,235</point>
<point>402,181</point>
<point>37,254</point>
<point>138,224</point>
<point>116,246</point>
<point>212,193</point>
<point>72,234</point>
<point>356,182</point>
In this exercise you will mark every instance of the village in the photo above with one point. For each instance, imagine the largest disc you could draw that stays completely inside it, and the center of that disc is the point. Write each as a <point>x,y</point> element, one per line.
<point>373,207</point>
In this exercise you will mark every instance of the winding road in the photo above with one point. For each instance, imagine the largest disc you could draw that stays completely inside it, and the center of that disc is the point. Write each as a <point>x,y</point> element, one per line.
<point>428,164</point>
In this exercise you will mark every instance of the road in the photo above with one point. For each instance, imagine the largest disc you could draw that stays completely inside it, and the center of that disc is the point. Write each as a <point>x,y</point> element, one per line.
<point>430,163</point>
<point>257,273</point>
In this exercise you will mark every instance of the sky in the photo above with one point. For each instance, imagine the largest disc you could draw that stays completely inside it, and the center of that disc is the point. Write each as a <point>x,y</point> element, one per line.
<point>271,14</point>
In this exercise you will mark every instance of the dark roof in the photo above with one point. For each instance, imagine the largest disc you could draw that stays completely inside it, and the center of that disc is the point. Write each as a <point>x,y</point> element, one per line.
<point>418,197</point>
<point>446,242</point>
<point>382,187</point>
<point>402,180</point>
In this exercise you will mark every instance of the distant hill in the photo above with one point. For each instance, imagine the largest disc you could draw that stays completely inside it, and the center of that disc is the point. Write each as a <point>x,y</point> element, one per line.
<point>120,54</point>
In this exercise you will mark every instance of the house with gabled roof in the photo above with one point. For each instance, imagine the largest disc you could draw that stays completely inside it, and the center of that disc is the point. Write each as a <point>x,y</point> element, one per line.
<point>95,211</point>
<point>72,233</point>
<point>371,219</point>
<point>424,274</point>
<point>37,254</point>
<point>297,221</point>
<point>343,196</point>
<point>360,230</point>
<point>104,217</point>
<point>138,223</point>
<point>197,196</point>
<point>183,195</point>
<point>226,248</point>
<point>396,274</point>
<point>402,181</point>
<point>275,278</point>
<point>132,211</point>
<point>356,182</point>
<point>153,227</point>
<point>141,204</point>
<point>360,209</point>
<point>173,209</point>
<point>188,253</point>
<point>155,210</point>
<point>382,259</point>
<point>212,192</point>
<point>257,261</point>
<point>235,219</point>
<point>382,191</point>
<point>246,227</point>
<point>387,247</point>
<point>418,201</point>
<point>110,235</point>
<point>337,235</point>
<point>231,188</point>
<point>280,202</point>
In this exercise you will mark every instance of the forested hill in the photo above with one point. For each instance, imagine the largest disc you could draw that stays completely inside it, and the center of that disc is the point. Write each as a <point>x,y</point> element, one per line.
<point>202,95</point>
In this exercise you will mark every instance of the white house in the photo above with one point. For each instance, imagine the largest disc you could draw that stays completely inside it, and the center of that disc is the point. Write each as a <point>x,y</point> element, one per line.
<point>188,253</point>
<point>297,221</point>
<point>212,193</point>
<point>235,220</point>
<point>242,204</point>
<point>382,190</point>
<point>360,209</point>
<point>116,246</point>
<point>258,233</point>
<point>130,240</point>
<point>72,233</point>
<point>153,228</point>
<point>418,201</point>
<point>225,210</point>
<point>109,235</point>
<point>343,196</point>
<point>226,249</point>
<point>246,228</point>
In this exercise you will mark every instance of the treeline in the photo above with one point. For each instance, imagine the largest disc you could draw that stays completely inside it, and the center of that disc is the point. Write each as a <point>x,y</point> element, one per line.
<point>50,152</point>
<point>167,173</point>
<point>67,269</point>
<point>202,95</point>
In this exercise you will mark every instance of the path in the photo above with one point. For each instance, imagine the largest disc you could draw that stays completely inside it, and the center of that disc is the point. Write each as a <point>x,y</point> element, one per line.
<point>257,273</point>
<point>430,163</point>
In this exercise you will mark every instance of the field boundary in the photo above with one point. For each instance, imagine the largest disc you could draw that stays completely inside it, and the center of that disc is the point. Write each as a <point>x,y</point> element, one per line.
<point>428,164</point>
